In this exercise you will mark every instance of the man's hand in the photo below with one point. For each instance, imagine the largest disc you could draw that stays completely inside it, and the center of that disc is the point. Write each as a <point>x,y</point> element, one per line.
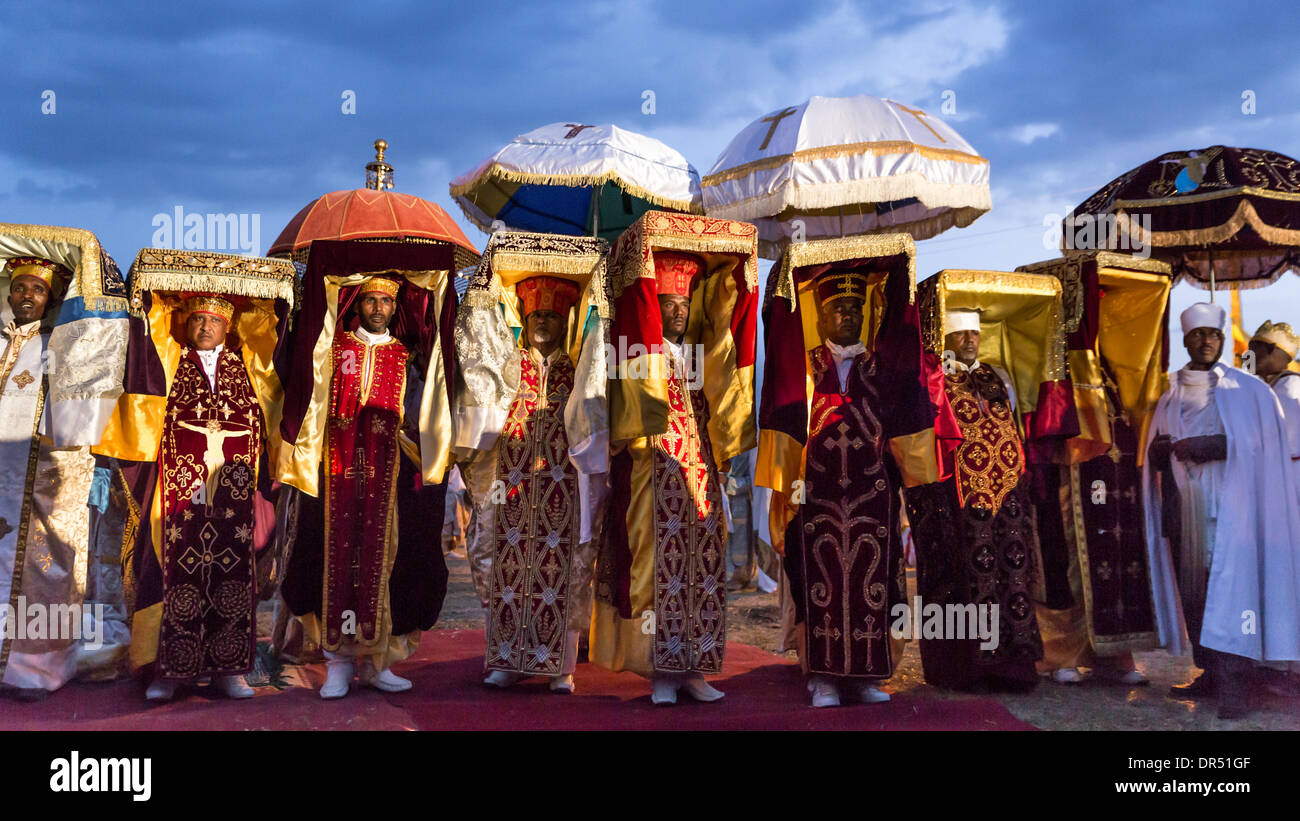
<point>1201,449</point>
<point>1158,453</point>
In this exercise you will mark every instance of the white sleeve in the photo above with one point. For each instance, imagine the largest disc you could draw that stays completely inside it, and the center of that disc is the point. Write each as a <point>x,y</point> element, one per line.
<point>1288,393</point>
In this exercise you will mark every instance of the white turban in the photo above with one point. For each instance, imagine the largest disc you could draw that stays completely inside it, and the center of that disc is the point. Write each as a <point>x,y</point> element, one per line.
<point>961,319</point>
<point>1206,315</point>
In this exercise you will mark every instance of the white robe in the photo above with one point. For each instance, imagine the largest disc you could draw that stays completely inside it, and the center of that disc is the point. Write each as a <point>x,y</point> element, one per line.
<point>1252,606</point>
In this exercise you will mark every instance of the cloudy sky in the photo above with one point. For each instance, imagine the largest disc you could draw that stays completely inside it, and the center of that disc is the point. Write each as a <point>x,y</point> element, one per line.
<point>238,108</point>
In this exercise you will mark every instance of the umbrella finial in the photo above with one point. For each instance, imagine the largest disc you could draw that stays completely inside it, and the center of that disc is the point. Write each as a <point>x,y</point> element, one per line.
<point>379,174</point>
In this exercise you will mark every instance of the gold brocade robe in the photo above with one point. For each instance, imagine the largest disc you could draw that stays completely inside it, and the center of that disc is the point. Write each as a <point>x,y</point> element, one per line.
<point>660,578</point>
<point>44,524</point>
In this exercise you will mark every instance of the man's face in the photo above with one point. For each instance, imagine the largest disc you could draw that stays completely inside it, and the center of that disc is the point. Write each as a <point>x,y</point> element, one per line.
<point>674,310</point>
<point>205,331</point>
<point>1204,345</point>
<point>28,297</point>
<point>376,311</point>
<point>965,345</point>
<point>545,330</point>
<point>1269,358</point>
<point>840,320</point>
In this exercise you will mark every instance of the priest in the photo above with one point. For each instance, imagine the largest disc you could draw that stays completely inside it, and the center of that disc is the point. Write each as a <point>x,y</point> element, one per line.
<point>846,424</point>
<point>532,433</point>
<point>44,521</point>
<point>681,407</point>
<point>196,602</point>
<point>976,543</point>
<point>367,387</point>
<point>1222,519</point>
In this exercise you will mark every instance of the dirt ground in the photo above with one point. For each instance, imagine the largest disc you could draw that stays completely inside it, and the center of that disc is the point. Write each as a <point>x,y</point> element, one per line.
<point>754,618</point>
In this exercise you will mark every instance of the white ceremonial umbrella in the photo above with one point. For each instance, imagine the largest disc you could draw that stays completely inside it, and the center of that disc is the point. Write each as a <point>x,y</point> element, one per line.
<point>581,180</point>
<point>841,166</point>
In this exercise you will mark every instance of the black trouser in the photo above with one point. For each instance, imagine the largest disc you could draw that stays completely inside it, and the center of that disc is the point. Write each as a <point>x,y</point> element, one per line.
<point>1230,673</point>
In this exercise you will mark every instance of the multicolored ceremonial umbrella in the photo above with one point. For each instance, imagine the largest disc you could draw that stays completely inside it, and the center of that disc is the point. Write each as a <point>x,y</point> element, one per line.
<point>843,166</point>
<point>1217,214</point>
<point>88,335</point>
<point>575,179</point>
<point>375,212</point>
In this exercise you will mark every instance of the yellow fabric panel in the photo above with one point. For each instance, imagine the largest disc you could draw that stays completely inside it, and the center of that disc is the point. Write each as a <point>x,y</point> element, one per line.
<point>780,461</point>
<point>617,643</point>
<point>1020,324</point>
<point>1094,436</point>
<point>780,464</point>
<point>134,429</point>
<point>639,400</point>
<point>729,390</point>
<point>917,457</point>
<point>145,626</point>
<point>1130,333</point>
<point>256,328</point>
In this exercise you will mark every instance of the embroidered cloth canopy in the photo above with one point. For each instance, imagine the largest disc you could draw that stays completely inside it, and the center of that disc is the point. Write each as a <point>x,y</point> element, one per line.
<point>844,166</point>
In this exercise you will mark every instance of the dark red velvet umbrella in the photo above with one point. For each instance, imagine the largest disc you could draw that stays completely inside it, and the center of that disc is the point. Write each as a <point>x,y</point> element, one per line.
<point>1218,213</point>
<point>372,213</point>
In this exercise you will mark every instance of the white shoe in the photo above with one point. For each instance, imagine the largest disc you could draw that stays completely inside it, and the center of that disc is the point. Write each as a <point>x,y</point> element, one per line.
<point>338,678</point>
<point>385,680</point>
<point>1134,678</point>
<point>562,684</point>
<point>161,690</point>
<point>665,690</point>
<point>1067,675</point>
<point>701,690</point>
<point>234,687</point>
<point>824,692</point>
<point>502,678</point>
<point>871,694</point>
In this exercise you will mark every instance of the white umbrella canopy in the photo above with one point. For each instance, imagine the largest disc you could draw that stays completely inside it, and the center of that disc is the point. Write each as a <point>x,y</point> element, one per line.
<point>847,166</point>
<point>571,178</point>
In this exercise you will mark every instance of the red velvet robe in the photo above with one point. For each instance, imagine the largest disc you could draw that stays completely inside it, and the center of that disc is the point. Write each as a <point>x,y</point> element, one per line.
<point>366,393</point>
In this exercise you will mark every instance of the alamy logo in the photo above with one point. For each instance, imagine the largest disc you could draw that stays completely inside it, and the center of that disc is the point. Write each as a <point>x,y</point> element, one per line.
<point>38,621</point>
<point>77,774</point>
<point>234,233</point>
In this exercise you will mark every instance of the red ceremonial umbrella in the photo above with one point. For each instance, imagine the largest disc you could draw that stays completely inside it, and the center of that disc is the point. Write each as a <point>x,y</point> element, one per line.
<point>1218,213</point>
<point>372,213</point>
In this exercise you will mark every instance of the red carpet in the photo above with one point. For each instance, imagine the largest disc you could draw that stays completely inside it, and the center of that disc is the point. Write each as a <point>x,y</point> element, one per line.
<point>764,692</point>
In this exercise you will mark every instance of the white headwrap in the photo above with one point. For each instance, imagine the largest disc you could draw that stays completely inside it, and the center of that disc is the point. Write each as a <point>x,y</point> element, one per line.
<point>961,319</point>
<point>1206,315</point>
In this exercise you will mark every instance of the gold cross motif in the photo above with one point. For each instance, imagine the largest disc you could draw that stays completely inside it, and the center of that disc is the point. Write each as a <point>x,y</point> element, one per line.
<point>359,468</point>
<point>775,120</point>
<point>24,379</point>
<point>920,115</point>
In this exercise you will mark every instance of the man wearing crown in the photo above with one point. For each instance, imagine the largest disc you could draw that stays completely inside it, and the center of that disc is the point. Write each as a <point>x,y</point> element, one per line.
<point>661,599</point>
<point>976,541</point>
<point>366,400</point>
<point>843,556</point>
<point>535,526</point>
<point>43,491</point>
<point>195,603</point>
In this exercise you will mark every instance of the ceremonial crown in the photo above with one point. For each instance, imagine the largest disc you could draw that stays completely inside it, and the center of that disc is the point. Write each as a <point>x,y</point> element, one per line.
<point>382,285</point>
<point>841,284</point>
<point>543,293</point>
<point>54,275</point>
<point>1279,334</point>
<point>677,272</point>
<point>211,304</point>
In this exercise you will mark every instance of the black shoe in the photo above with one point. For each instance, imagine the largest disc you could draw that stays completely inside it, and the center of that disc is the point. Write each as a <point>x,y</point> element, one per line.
<point>1202,687</point>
